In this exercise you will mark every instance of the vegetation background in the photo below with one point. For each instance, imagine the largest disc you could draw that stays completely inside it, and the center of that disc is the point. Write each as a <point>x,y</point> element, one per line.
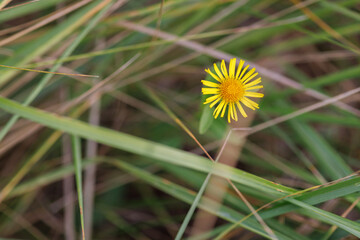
<point>141,134</point>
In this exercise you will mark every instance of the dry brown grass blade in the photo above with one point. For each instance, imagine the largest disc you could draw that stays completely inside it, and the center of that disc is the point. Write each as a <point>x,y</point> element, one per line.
<point>18,5</point>
<point>310,108</point>
<point>315,57</point>
<point>4,3</point>
<point>90,171</point>
<point>222,55</point>
<point>345,213</point>
<point>101,85</point>
<point>41,71</point>
<point>68,192</point>
<point>68,181</point>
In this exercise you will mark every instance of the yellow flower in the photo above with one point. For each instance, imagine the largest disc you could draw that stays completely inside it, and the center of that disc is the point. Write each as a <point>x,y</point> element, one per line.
<point>232,89</point>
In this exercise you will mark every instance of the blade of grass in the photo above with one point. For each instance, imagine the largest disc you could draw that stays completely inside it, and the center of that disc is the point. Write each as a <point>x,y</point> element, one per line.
<point>341,9</point>
<point>333,228</point>
<point>27,9</point>
<point>19,5</point>
<point>76,148</point>
<point>332,165</point>
<point>68,192</point>
<point>330,218</point>
<point>90,172</point>
<point>53,73</point>
<point>293,115</point>
<point>4,3</point>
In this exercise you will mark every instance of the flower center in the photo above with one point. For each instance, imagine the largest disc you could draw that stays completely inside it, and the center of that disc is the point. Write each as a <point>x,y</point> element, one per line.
<point>231,90</point>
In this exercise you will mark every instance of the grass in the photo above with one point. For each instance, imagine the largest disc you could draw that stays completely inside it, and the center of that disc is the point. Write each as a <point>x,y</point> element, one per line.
<point>148,159</point>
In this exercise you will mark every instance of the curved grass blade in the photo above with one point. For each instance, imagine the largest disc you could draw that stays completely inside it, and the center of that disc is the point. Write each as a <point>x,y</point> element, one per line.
<point>142,147</point>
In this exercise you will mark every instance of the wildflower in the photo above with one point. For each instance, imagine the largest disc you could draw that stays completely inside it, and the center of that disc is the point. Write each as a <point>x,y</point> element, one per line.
<point>232,89</point>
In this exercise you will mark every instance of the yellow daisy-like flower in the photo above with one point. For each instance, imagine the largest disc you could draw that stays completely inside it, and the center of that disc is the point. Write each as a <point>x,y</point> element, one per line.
<point>232,89</point>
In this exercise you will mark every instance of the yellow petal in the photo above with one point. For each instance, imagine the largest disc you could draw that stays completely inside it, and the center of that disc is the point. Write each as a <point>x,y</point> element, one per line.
<point>257,81</point>
<point>230,112</point>
<point>223,69</point>
<point>210,84</point>
<point>253,94</point>
<point>210,91</point>
<point>218,71</point>
<point>248,74</point>
<point>213,75</point>
<point>232,68</point>
<point>243,72</point>
<point>249,103</point>
<point>218,109</point>
<point>246,103</point>
<point>229,115</point>
<point>241,109</point>
<point>210,99</point>
<point>255,87</point>
<point>224,109</point>
<point>245,80</point>
<point>211,105</point>
<point>241,64</point>
<point>235,113</point>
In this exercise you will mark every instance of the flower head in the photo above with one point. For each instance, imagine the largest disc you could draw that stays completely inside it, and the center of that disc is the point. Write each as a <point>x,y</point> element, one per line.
<point>232,89</point>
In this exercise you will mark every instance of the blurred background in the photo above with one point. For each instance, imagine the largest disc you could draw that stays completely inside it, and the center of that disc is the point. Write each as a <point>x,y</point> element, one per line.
<point>112,140</point>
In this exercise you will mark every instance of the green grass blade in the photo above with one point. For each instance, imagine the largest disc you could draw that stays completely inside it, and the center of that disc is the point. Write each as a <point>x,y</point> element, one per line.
<point>341,9</point>
<point>192,209</point>
<point>142,147</point>
<point>329,160</point>
<point>346,224</point>
<point>76,147</point>
<point>188,196</point>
